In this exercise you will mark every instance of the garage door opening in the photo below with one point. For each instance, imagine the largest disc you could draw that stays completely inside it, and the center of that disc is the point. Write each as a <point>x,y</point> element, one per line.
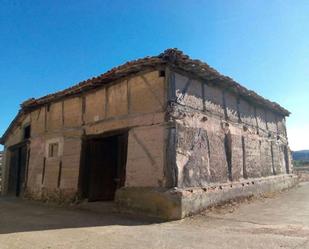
<point>103,166</point>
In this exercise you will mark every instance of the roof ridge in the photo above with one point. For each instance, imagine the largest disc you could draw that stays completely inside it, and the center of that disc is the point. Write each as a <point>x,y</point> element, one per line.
<point>174,58</point>
<point>171,56</point>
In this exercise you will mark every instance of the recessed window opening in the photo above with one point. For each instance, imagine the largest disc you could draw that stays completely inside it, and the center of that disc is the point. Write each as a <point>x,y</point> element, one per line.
<point>27,132</point>
<point>53,150</point>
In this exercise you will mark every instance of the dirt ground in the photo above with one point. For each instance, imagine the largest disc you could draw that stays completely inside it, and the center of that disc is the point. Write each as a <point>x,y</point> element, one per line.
<point>279,221</point>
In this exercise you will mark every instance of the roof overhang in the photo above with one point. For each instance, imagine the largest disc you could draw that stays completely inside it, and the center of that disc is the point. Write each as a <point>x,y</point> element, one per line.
<point>172,58</point>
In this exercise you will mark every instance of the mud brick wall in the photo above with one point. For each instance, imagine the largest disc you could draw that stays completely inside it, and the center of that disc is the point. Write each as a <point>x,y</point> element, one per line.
<point>221,136</point>
<point>141,170</point>
<point>182,132</point>
<point>15,137</point>
<point>266,158</point>
<point>136,103</point>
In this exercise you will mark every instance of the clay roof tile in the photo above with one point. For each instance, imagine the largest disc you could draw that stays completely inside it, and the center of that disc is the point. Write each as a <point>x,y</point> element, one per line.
<point>173,58</point>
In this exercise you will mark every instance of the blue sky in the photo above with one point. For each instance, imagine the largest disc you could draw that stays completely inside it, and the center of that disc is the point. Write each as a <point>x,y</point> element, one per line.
<point>50,45</point>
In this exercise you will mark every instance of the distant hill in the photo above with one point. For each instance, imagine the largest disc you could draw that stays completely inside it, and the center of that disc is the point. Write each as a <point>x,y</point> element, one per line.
<point>301,155</point>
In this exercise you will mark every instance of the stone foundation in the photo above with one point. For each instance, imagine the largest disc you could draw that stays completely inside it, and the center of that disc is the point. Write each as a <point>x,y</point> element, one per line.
<point>177,203</point>
<point>59,196</point>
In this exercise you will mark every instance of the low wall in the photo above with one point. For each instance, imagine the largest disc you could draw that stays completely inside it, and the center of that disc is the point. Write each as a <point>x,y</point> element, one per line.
<point>176,203</point>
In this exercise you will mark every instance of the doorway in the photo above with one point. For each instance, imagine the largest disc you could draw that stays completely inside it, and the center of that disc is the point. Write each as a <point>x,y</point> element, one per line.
<point>17,170</point>
<point>103,166</point>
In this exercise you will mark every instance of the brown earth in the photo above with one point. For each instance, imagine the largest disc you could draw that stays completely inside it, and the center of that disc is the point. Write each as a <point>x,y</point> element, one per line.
<point>278,221</point>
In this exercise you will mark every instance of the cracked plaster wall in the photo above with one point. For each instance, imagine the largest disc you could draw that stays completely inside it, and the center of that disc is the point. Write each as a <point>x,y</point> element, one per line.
<point>222,137</point>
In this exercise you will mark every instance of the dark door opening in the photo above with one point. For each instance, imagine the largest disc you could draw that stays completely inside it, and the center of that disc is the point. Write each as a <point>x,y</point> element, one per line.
<point>17,170</point>
<point>103,168</point>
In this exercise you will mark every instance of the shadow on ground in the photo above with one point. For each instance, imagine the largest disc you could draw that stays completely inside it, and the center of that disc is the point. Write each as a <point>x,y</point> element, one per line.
<point>17,215</point>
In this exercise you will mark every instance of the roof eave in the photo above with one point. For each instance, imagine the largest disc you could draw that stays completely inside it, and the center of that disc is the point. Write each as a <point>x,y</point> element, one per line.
<point>171,57</point>
<point>12,124</point>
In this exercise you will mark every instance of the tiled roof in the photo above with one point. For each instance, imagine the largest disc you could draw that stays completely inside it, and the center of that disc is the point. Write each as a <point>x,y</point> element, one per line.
<point>173,58</point>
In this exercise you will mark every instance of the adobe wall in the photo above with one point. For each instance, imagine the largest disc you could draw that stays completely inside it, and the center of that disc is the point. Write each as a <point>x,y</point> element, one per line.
<point>15,137</point>
<point>222,137</point>
<point>219,147</point>
<point>137,103</point>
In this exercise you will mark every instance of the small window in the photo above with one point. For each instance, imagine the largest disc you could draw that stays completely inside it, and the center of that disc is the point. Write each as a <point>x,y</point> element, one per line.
<point>27,132</point>
<point>53,150</point>
<point>162,73</point>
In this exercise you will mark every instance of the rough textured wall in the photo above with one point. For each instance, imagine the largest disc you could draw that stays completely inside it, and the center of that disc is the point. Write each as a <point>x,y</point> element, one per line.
<point>117,100</point>
<point>95,106</point>
<point>54,116</point>
<point>146,94</point>
<point>17,133</point>
<point>223,137</point>
<point>38,124</point>
<point>70,162</point>
<point>15,137</point>
<point>36,161</point>
<point>146,157</point>
<point>199,151</point>
<point>72,112</point>
<point>137,103</point>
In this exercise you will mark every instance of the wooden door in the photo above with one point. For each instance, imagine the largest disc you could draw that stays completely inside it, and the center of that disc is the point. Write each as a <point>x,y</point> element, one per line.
<point>17,170</point>
<point>104,168</point>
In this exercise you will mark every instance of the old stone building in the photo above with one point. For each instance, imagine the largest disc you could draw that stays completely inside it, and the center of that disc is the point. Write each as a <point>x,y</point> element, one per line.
<point>165,135</point>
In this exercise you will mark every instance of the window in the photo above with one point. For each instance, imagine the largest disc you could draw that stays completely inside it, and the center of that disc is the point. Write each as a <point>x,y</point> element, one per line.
<point>53,150</point>
<point>162,73</point>
<point>27,132</point>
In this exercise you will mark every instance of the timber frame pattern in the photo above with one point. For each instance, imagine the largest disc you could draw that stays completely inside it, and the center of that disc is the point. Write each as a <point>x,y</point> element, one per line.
<point>193,137</point>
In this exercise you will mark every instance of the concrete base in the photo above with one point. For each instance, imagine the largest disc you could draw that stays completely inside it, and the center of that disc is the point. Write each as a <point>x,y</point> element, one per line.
<point>173,204</point>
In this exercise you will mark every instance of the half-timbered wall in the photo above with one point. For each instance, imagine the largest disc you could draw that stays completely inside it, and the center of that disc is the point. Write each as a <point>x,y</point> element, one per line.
<point>209,135</point>
<point>136,103</point>
<point>221,136</point>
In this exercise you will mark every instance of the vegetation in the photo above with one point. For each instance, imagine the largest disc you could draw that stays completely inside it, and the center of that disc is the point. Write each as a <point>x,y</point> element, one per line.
<point>298,163</point>
<point>301,158</point>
